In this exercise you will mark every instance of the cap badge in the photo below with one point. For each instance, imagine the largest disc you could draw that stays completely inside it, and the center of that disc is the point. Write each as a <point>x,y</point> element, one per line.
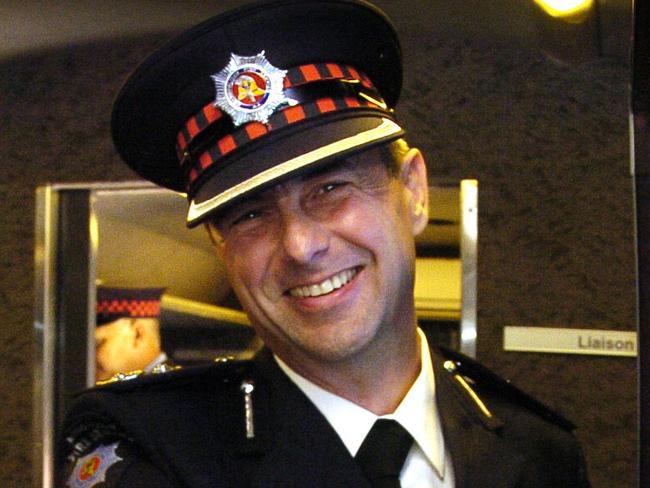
<point>250,89</point>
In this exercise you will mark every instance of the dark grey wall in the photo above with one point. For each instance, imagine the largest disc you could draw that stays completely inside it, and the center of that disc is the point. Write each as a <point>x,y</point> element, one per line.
<point>547,143</point>
<point>549,146</point>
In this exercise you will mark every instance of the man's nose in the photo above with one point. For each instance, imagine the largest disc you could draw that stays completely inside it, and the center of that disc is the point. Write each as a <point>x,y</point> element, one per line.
<point>303,238</point>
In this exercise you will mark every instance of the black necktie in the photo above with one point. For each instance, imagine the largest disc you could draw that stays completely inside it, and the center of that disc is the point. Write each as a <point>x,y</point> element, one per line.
<point>383,452</point>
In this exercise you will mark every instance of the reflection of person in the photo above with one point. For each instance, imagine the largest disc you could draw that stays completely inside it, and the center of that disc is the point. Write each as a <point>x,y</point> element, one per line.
<point>127,335</point>
<point>312,199</point>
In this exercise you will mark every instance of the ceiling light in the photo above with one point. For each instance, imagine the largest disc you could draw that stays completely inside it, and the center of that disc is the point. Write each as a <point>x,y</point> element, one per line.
<point>571,10</point>
<point>569,29</point>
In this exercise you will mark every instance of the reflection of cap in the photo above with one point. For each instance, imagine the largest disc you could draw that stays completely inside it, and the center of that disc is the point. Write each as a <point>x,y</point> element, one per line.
<point>116,303</point>
<point>257,94</point>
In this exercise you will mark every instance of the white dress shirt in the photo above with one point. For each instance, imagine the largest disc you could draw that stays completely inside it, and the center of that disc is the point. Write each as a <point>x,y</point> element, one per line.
<point>161,358</point>
<point>428,464</point>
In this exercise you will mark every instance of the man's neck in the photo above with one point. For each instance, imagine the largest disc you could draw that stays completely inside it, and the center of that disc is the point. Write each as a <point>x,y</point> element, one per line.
<point>377,380</point>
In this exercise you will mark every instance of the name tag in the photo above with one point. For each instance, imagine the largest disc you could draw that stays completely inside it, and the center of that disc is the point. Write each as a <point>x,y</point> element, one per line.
<point>570,341</point>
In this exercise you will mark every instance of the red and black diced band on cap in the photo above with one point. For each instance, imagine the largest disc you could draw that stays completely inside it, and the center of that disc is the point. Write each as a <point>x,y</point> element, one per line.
<point>283,118</point>
<point>196,125</point>
<point>116,303</point>
<point>324,71</point>
<point>334,69</point>
<point>295,77</point>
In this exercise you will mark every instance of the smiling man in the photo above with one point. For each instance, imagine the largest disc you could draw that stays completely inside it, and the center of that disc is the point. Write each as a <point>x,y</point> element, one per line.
<point>313,198</point>
<point>323,265</point>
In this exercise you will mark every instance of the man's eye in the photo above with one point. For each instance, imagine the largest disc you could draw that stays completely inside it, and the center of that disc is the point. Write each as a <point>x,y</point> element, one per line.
<point>246,217</point>
<point>331,186</point>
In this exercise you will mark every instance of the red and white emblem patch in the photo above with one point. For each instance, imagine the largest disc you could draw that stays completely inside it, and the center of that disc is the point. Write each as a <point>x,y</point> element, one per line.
<point>91,469</point>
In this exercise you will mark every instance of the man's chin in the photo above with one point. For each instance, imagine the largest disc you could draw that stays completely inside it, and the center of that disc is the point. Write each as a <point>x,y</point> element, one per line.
<point>338,346</point>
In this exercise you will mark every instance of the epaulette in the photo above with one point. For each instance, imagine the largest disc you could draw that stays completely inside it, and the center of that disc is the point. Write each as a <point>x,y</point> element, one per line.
<point>459,364</point>
<point>84,437</point>
<point>224,369</point>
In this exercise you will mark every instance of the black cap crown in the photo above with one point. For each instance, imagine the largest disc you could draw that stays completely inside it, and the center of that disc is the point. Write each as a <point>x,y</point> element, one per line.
<point>257,94</point>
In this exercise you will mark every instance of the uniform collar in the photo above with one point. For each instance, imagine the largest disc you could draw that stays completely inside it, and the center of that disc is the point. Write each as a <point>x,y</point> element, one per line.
<point>417,412</point>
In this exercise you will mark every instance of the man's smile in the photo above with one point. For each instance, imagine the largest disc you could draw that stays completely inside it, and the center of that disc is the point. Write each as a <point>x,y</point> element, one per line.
<point>326,286</point>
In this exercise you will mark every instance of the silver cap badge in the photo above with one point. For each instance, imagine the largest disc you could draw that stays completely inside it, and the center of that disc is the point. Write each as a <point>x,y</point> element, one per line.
<point>250,88</point>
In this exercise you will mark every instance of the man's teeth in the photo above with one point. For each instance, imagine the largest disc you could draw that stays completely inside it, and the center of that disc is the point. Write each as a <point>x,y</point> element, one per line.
<point>324,287</point>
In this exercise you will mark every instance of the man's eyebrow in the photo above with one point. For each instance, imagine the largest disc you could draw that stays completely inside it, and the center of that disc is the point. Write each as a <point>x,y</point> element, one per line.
<point>253,199</point>
<point>331,168</point>
<point>343,164</point>
<point>231,210</point>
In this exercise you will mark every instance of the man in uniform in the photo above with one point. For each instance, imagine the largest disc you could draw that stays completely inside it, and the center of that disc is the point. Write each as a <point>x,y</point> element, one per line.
<point>127,333</point>
<point>277,120</point>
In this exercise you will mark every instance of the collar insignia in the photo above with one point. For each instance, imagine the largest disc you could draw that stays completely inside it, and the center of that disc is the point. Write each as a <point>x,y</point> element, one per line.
<point>91,470</point>
<point>250,88</point>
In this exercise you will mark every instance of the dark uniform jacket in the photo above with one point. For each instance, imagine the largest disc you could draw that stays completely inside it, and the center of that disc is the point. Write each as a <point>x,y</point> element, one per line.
<point>188,429</point>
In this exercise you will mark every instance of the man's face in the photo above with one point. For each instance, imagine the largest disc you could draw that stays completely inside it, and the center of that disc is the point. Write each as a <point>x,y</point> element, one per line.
<point>120,346</point>
<point>323,264</point>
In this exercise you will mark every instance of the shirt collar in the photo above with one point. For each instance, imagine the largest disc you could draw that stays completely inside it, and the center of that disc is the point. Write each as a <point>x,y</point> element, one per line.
<point>161,358</point>
<point>417,412</point>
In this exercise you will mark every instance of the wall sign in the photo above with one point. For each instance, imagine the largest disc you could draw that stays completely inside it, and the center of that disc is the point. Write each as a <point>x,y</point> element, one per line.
<point>570,341</point>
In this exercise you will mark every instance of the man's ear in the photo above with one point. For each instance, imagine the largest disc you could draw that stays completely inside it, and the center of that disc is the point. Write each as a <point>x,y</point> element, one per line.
<point>135,327</point>
<point>215,238</point>
<point>413,173</point>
